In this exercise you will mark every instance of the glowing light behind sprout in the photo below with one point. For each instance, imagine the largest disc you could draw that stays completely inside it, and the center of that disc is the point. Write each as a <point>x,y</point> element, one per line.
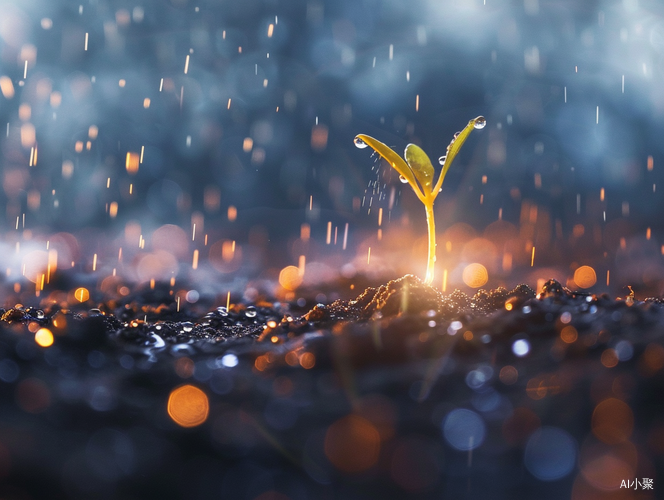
<point>418,171</point>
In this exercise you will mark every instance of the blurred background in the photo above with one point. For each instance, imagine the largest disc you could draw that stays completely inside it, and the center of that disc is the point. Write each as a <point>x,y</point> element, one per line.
<point>155,140</point>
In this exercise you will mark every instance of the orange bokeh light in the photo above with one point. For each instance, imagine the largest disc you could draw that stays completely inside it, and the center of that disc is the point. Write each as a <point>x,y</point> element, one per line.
<point>569,334</point>
<point>612,421</point>
<point>307,360</point>
<point>609,358</point>
<point>188,406</point>
<point>44,337</point>
<point>290,277</point>
<point>132,162</point>
<point>585,277</point>
<point>352,444</point>
<point>508,375</point>
<point>475,275</point>
<point>82,294</point>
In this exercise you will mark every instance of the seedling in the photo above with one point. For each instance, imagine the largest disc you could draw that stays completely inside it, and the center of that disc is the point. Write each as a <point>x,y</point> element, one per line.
<point>418,171</point>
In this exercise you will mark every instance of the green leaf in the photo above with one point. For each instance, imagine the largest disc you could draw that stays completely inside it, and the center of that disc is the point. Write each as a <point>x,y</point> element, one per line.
<point>393,159</point>
<point>421,166</point>
<point>455,146</point>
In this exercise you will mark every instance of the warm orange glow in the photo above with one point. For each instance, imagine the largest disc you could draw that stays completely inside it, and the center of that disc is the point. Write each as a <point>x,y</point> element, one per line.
<point>188,406</point>
<point>228,250</point>
<point>247,144</point>
<point>609,358</point>
<point>28,135</point>
<point>290,277</point>
<point>468,335</point>
<point>475,275</point>
<point>6,87</point>
<point>652,359</point>
<point>612,421</point>
<point>352,444</point>
<point>82,294</point>
<point>55,99</point>
<point>569,334</point>
<point>132,162</point>
<point>232,213</point>
<point>319,135</point>
<point>585,277</point>
<point>211,198</point>
<point>307,360</point>
<point>44,337</point>
<point>24,112</point>
<point>113,209</point>
<point>261,363</point>
<point>291,358</point>
<point>508,375</point>
<point>305,232</point>
<point>67,169</point>
<point>146,102</point>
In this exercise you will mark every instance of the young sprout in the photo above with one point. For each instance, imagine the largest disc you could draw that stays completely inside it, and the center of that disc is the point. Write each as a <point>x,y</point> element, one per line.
<point>418,172</point>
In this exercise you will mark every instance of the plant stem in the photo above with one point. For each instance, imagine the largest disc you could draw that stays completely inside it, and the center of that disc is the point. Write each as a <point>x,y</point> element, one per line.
<point>431,226</point>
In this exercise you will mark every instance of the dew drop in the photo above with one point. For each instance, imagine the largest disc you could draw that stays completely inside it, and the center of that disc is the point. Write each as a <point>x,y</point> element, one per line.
<point>187,326</point>
<point>403,179</point>
<point>442,159</point>
<point>359,143</point>
<point>480,122</point>
<point>457,134</point>
<point>250,312</point>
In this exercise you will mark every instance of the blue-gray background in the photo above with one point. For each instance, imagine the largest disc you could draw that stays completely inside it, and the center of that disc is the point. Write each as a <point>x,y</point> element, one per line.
<point>571,91</point>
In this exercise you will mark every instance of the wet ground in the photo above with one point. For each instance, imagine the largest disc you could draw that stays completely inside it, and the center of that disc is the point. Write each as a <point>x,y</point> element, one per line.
<point>401,392</point>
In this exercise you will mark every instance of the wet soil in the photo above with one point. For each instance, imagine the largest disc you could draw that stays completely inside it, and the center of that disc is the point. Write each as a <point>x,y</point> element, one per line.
<point>401,392</point>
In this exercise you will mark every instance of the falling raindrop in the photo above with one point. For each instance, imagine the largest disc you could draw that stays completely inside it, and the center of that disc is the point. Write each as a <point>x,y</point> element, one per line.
<point>359,143</point>
<point>480,122</point>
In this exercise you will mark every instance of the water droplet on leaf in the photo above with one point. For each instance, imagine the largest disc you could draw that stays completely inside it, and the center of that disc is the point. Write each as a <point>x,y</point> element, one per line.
<point>480,122</point>
<point>250,312</point>
<point>442,159</point>
<point>359,143</point>
<point>403,179</point>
